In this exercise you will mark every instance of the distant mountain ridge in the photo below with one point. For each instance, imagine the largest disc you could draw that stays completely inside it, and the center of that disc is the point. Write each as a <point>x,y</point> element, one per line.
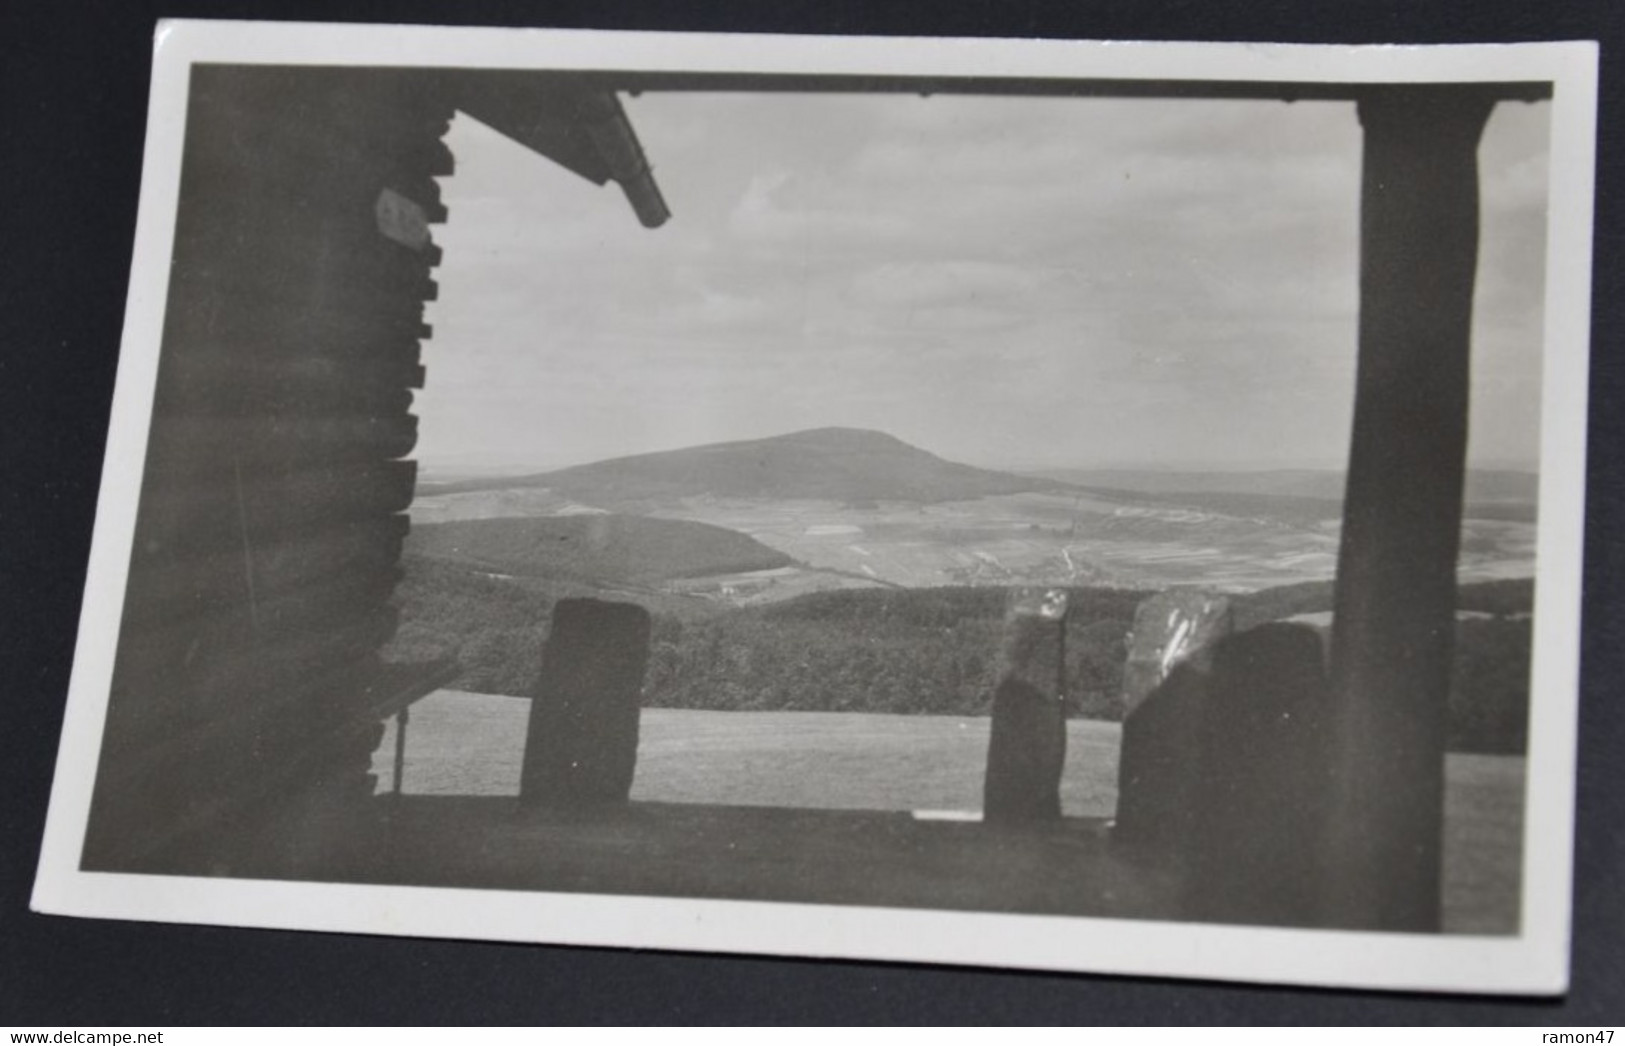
<point>864,467</point>
<point>1327,484</point>
<point>828,464</point>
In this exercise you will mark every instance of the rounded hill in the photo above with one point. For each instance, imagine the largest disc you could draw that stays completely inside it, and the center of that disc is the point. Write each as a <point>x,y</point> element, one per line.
<point>829,464</point>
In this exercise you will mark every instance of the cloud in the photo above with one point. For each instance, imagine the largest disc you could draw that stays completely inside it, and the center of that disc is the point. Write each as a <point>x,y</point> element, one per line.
<point>970,272</point>
<point>924,283</point>
<point>769,212</point>
<point>714,310</point>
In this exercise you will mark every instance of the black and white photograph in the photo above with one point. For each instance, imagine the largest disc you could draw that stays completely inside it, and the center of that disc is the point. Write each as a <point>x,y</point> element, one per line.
<point>1006,503</point>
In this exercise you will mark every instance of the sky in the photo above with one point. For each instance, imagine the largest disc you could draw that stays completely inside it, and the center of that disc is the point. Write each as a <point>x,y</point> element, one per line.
<point>1008,282</point>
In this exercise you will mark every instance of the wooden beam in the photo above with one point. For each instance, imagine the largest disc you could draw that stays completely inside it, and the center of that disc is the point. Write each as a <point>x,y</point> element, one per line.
<point>540,112</point>
<point>635,82</point>
<point>1394,628</point>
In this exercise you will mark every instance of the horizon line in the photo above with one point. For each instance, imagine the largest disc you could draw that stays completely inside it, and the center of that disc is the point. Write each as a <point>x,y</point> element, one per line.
<point>491,464</point>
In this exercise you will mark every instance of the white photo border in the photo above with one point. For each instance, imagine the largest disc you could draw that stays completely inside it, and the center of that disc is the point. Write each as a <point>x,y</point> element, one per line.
<point>1534,962</point>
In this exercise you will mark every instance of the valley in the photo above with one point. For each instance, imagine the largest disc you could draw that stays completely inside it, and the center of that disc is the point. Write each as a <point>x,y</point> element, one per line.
<point>1052,537</point>
<point>850,508</point>
<point>782,576</point>
<point>1025,539</point>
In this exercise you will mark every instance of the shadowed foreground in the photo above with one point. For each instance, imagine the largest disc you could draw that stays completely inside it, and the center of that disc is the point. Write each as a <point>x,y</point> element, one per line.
<point>759,853</point>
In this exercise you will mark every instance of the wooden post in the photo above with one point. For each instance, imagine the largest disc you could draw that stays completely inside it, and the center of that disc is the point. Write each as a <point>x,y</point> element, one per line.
<point>1255,800</point>
<point>1026,748</point>
<point>1060,660</point>
<point>402,717</point>
<point>1396,575</point>
<point>1164,703</point>
<point>582,746</point>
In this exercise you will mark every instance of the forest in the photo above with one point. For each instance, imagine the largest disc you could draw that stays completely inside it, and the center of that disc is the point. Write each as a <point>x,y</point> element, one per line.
<point>925,651</point>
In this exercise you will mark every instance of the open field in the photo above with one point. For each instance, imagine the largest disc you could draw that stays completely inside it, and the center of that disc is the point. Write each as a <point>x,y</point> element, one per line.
<point>1488,487</point>
<point>854,507</point>
<point>1043,538</point>
<point>471,745</point>
<point>1483,852</point>
<point>1031,538</point>
<point>1055,539</point>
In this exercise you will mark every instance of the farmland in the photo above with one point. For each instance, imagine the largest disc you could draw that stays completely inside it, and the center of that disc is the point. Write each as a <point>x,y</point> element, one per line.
<point>828,610</point>
<point>842,570</point>
<point>851,508</point>
<point>1028,538</point>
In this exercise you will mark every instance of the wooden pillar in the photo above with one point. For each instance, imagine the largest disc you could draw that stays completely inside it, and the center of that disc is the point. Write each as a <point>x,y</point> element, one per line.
<point>1026,748</point>
<point>1164,703</point>
<point>582,746</point>
<point>267,545</point>
<point>1256,792</point>
<point>1396,576</point>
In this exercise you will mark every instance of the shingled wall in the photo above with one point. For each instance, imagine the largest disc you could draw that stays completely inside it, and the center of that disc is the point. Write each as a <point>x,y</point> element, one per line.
<point>272,507</point>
